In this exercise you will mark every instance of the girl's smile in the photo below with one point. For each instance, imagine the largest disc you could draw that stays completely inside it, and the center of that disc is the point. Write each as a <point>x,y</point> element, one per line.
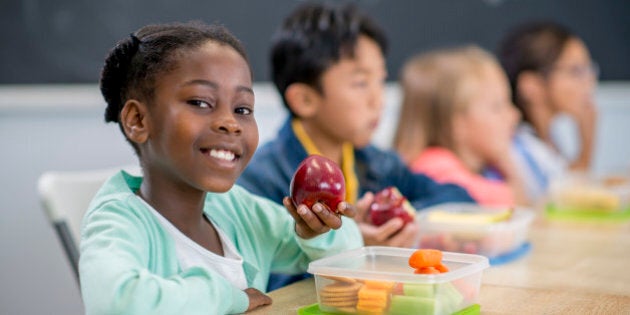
<point>224,158</point>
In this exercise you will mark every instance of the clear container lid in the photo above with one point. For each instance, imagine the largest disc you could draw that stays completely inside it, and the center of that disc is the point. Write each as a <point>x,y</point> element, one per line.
<point>471,217</point>
<point>585,191</point>
<point>585,196</point>
<point>392,264</point>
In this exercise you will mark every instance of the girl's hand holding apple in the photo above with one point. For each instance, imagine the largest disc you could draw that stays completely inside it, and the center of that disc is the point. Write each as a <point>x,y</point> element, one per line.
<point>317,197</point>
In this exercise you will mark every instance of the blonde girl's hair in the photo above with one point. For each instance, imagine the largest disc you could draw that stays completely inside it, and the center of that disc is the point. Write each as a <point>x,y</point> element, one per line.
<point>435,86</point>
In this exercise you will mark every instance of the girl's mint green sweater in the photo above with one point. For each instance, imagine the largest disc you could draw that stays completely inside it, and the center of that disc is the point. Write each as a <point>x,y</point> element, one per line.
<point>128,263</point>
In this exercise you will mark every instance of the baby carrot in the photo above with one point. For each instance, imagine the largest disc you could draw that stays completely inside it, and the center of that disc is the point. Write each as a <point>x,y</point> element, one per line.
<point>426,270</point>
<point>425,258</point>
<point>441,267</point>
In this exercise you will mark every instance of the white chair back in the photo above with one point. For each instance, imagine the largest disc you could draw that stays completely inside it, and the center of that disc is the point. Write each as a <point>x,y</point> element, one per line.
<point>65,196</point>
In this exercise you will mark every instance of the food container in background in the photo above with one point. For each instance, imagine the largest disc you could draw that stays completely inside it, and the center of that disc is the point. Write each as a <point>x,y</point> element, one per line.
<point>497,233</point>
<point>589,197</point>
<point>378,280</point>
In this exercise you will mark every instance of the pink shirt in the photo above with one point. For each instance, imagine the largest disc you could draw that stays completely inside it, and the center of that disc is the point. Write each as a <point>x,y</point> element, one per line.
<point>445,167</point>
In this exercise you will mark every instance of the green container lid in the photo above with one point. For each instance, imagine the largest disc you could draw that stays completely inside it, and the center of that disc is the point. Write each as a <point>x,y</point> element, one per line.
<point>313,309</point>
<point>553,212</point>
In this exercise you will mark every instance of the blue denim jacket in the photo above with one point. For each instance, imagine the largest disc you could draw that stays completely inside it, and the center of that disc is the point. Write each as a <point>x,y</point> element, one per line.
<point>270,170</point>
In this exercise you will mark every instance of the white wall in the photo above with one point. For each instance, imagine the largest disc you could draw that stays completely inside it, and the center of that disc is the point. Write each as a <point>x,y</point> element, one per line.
<point>62,128</point>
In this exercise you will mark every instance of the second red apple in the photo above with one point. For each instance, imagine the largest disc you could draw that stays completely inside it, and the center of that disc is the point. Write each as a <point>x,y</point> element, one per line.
<point>390,203</point>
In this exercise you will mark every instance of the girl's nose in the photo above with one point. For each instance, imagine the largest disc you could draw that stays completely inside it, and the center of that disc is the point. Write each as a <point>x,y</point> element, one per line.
<point>225,122</point>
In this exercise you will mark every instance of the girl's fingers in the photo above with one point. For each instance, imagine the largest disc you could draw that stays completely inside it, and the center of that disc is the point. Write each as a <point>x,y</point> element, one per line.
<point>326,217</point>
<point>363,207</point>
<point>288,204</point>
<point>319,219</point>
<point>346,209</point>
<point>407,237</point>
<point>308,222</point>
<point>391,227</point>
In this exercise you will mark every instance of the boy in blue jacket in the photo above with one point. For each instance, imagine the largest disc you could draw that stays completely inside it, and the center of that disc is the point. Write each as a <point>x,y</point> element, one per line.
<point>328,64</point>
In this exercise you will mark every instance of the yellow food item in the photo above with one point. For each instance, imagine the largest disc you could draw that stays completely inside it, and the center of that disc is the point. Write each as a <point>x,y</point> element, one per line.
<point>383,285</point>
<point>373,300</point>
<point>480,217</point>
<point>588,199</point>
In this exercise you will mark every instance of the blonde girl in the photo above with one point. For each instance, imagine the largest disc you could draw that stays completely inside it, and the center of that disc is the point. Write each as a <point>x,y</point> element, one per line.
<point>457,121</point>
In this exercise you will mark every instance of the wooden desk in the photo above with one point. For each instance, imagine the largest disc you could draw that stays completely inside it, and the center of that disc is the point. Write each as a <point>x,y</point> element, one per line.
<point>571,256</point>
<point>289,299</point>
<point>494,299</point>
<point>572,268</point>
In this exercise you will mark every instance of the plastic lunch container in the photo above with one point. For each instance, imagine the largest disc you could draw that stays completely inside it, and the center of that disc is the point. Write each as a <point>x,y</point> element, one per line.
<point>378,280</point>
<point>474,229</point>
<point>588,197</point>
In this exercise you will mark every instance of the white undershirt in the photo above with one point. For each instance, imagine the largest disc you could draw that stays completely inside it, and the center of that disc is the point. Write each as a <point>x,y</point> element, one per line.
<point>191,254</point>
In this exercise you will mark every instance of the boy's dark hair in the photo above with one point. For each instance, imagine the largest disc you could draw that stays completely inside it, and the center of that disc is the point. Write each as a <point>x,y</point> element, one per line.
<point>314,37</point>
<point>533,46</point>
<point>132,66</point>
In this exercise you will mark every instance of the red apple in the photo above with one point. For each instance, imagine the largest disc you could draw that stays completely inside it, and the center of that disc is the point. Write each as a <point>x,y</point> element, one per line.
<point>390,203</point>
<point>318,179</point>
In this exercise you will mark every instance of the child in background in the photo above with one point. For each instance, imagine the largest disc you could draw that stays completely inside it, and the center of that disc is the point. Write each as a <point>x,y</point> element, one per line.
<point>552,78</point>
<point>328,65</point>
<point>183,239</point>
<point>457,121</point>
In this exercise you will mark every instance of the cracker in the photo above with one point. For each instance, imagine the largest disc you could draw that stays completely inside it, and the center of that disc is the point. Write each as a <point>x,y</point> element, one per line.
<point>341,298</point>
<point>333,300</point>
<point>338,287</point>
<point>341,279</point>
<point>340,295</point>
<point>335,292</point>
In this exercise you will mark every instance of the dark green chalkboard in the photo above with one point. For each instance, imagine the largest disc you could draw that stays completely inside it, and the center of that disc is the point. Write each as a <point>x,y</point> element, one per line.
<point>65,41</point>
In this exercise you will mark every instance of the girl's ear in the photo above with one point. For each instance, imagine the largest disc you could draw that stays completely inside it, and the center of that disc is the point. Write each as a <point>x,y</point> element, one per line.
<point>302,99</point>
<point>530,86</point>
<point>134,120</point>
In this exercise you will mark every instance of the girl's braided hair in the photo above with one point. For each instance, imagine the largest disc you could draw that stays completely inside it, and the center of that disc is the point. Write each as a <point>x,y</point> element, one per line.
<point>133,65</point>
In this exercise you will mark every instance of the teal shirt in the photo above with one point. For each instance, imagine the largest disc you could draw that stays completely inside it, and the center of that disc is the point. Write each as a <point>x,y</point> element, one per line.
<point>128,263</point>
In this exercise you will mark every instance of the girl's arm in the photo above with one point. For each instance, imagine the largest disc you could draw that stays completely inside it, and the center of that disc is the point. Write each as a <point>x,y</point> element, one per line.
<point>275,230</point>
<point>506,165</point>
<point>586,120</point>
<point>264,232</point>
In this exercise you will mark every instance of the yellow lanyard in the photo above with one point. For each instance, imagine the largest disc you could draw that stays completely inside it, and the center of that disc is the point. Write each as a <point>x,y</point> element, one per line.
<point>347,159</point>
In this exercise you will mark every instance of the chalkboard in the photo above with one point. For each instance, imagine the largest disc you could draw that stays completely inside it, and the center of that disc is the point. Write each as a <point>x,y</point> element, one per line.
<point>65,41</point>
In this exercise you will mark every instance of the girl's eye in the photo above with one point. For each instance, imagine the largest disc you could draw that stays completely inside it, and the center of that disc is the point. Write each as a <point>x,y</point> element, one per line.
<point>244,111</point>
<point>199,103</point>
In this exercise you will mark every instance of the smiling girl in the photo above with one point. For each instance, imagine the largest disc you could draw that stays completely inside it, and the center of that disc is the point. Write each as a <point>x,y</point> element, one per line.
<point>183,238</point>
